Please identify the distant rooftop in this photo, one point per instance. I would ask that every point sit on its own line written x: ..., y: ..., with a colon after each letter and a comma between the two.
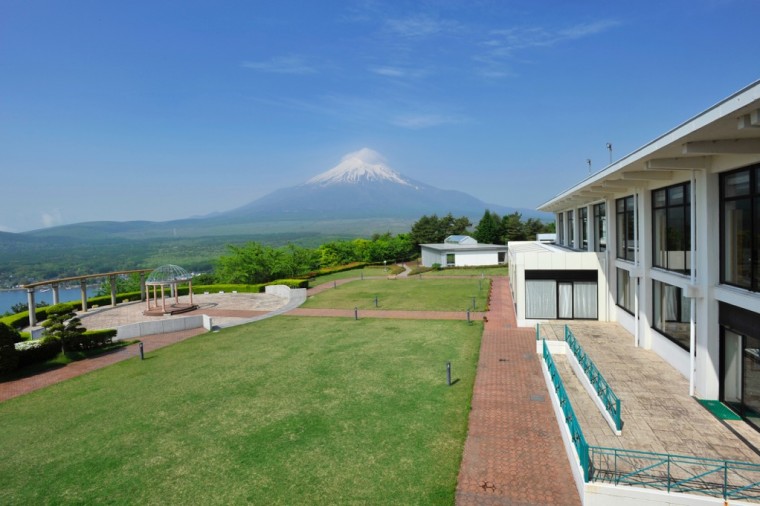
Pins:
x: 459, y: 239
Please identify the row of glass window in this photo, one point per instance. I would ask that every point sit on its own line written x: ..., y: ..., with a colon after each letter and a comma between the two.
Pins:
x: 671, y: 228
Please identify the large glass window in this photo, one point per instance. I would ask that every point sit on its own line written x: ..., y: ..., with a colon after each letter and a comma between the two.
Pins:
x: 626, y: 238
x: 561, y: 226
x: 740, y: 228
x: 570, y: 229
x: 563, y: 294
x: 583, y: 224
x: 600, y: 227
x: 671, y: 227
x: 672, y: 312
x: 625, y: 290
x: 740, y: 361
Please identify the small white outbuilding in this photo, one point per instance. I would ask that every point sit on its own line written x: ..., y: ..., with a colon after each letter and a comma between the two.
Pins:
x: 462, y: 251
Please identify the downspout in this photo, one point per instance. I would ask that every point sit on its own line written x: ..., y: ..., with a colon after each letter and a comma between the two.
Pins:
x: 693, y: 280
x: 637, y: 329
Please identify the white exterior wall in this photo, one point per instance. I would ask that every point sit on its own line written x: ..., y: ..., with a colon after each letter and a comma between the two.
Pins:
x: 430, y: 257
x: 475, y: 258
x: 519, y: 262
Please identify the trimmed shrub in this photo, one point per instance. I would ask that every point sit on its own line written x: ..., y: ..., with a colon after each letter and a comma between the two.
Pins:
x: 8, y: 353
x: 332, y: 270
x: 90, y: 340
x: 40, y: 350
x: 292, y: 283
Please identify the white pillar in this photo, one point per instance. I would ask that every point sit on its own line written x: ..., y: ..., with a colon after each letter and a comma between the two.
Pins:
x: 112, y: 280
x: 83, y: 289
x: 56, y: 293
x: 32, y: 307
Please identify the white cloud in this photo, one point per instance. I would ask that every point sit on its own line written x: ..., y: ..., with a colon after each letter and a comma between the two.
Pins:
x: 421, y: 26
x: 52, y: 218
x: 505, y: 44
x: 420, y: 121
x: 281, y: 65
x: 398, y: 72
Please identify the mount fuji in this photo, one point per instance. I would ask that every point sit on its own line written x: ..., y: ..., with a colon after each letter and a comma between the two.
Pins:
x: 361, y: 186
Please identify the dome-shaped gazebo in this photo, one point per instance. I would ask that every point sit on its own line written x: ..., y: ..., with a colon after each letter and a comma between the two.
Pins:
x: 168, y: 276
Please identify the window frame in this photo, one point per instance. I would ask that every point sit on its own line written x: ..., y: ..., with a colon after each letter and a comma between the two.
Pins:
x: 600, y: 228
x: 625, y: 223
x: 631, y: 292
x: 583, y: 224
x: 680, y: 310
x: 667, y: 209
x: 752, y: 199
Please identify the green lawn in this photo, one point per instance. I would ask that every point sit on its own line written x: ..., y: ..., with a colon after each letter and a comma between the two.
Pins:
x: 412, y: 294
x: 353, y: 273
x: 470, y: 271
x: 283, y: 411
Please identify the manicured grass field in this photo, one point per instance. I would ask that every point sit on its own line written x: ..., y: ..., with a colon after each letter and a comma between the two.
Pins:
x: 413, y: 294
x: 353, y: 273
x: 470, y: 271
x: 283, y: 411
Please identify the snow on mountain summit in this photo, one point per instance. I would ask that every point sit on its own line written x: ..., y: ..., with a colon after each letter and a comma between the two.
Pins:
x: 363, y: 165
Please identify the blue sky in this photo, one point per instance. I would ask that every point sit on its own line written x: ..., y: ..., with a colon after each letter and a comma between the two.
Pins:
x: 162, y: 110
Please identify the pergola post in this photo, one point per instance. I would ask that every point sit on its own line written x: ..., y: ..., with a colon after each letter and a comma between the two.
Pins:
x: 142, y: 287
x: 190, y: 290
x: 56, y: 294
x: 83, y: 289
x: 32, y: 307
x: 163, y: 299
x: 112, y: 280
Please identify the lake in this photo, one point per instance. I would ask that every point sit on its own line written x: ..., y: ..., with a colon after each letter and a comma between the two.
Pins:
x: 10, y: 297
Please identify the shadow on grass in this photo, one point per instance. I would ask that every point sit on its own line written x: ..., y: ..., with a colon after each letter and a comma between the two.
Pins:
x: 62, y: 360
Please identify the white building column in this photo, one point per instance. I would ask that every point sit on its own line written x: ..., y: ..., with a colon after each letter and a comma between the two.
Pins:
x: 32, y: 307
x: 56, y: 293
x: 707, y: 360
x: 112, y: 282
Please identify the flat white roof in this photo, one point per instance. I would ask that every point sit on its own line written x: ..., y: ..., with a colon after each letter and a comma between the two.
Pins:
x: 728, y: 128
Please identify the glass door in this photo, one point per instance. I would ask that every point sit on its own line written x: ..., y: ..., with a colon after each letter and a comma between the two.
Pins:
x: 732, y: 369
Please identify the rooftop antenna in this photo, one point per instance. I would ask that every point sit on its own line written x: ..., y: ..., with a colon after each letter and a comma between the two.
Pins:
x: 609, y: 148
x: 588, y: 161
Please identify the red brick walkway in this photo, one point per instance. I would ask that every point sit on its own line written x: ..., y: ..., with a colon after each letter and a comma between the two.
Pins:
x: 10, y: 389
x: 514, y: 452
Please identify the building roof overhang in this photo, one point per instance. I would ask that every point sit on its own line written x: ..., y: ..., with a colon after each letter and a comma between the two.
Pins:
x: 730, y: 128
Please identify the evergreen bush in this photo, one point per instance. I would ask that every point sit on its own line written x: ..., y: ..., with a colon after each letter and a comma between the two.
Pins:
x: 8, y: 354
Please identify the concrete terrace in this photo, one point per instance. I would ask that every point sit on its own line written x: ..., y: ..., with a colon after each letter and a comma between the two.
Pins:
x: 658, y: 413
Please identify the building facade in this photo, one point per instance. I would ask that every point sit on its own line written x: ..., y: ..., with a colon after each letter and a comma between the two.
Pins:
x: 462, y: 251
x: 674, y: 229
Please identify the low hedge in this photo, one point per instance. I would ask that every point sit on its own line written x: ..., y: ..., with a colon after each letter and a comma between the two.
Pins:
x: 33, y: 352
x: 90, y: 340
x: 332, y: 270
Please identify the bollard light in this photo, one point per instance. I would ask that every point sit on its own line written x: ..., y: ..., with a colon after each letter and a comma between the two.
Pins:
x: 335, y: 284
x: 375, y: 300
x: 448, y: 373
x: 473, y: 303
x: 468, y: 316
x: 142, y: 352
x: 356, y: 313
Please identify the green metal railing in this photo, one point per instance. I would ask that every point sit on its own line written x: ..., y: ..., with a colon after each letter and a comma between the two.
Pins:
x: 675, y: 473
x: 576, y: 434
x: 604, y: 391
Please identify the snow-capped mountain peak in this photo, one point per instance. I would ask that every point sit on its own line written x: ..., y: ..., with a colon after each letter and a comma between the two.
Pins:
x: 363, y: 165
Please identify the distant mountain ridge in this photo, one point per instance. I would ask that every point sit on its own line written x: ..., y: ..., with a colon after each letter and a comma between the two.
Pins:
x: 361, y: 195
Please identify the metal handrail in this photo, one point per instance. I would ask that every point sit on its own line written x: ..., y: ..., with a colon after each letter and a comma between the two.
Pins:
x: 606, y: 394
x: 675, y: 473
x: 576, y: 434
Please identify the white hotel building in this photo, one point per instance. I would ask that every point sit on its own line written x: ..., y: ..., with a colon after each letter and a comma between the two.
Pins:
x: 666, y: 242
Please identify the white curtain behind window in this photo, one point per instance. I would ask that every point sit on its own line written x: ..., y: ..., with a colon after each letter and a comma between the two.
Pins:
x: 584, y: 295
x: 670, y: 304
x: 565, y: 300
x: 540, y: 299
